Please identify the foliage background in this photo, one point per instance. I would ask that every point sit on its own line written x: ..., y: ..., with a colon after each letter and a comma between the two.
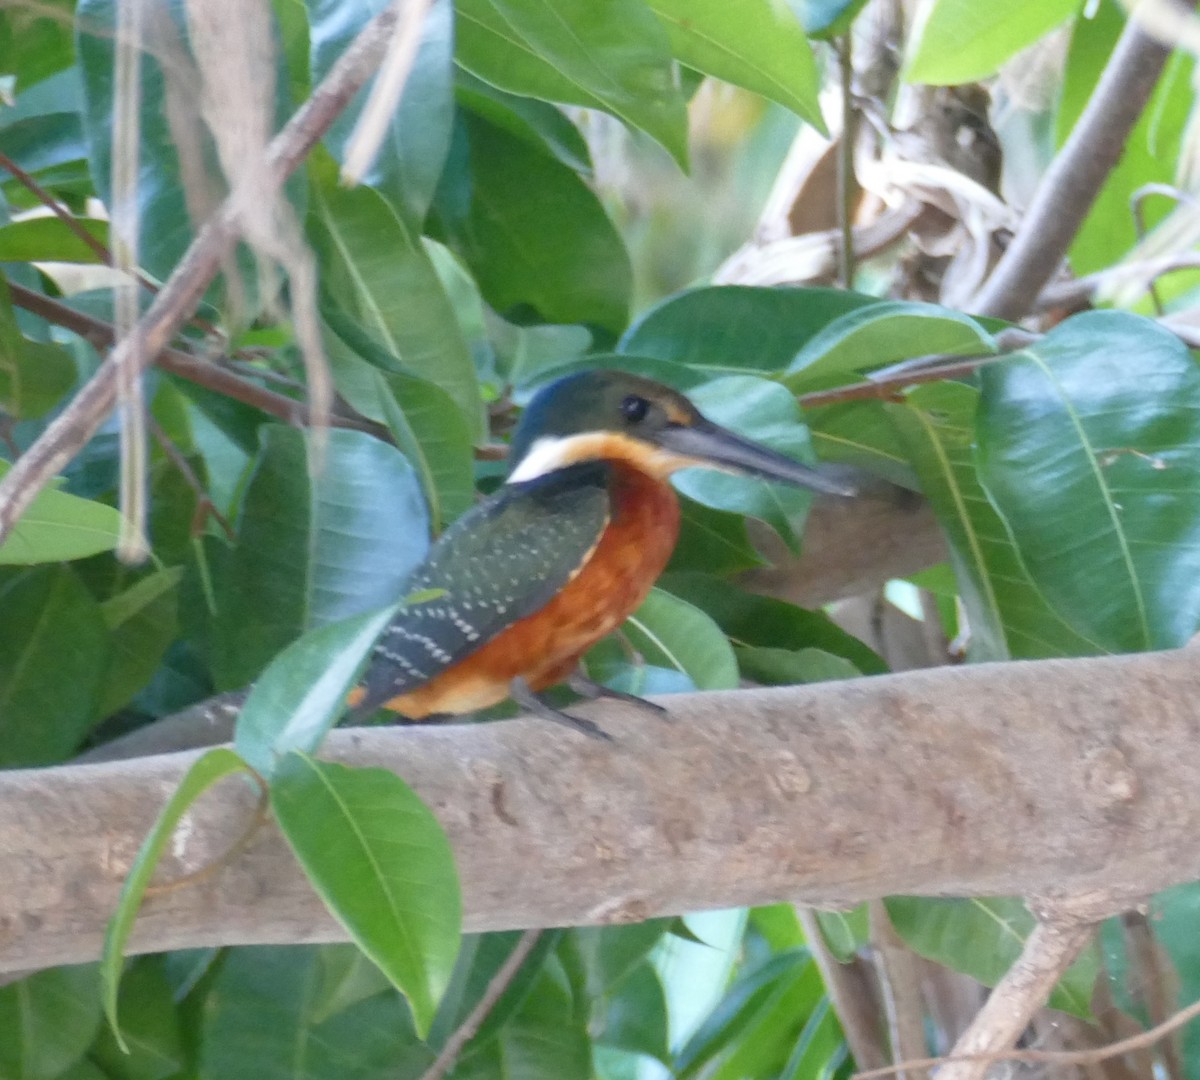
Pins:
x: 577, y: 184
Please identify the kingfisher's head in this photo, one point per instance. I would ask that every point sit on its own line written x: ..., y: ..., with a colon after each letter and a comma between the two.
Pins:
x: 612, y: 415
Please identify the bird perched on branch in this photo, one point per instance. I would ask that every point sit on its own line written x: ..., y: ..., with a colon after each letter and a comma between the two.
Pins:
x: 528, y: 580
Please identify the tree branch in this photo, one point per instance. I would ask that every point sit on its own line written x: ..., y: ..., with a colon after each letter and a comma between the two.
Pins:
x: 72, y: 428
x: 185, y: 366
x: 1073, y: 181
x: 1054, y: 778
x: 1049, y: 951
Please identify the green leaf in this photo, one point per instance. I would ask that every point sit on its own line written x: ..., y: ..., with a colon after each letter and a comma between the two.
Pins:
x: 737, y: 329
x: 882, y: 334
x: 315, y: 549
x: 752, y: 620
x: 753, y: 1030
x: 534, y: 235
x: 607, y: 955
x: 787, y: 667
x: 49, y: 1019
x: 821, y: 1047
x: 767, y: 413
x: 417, y: 137
x: 1149, y: 155
x: 381, y: 275
x: 712, y: 541
x: 845, y: 932
x: 151, y: 1026
x: 383, y: 866
x: 1089, y: 446
x: 35, y: 44
x: 633, y: 1016
x: 1007, y: 612
x: 546, y: 1039
x: 982, y: 938
x: 671, y: 633
x: 424, y: 420
x: 756, y: 44
x: 613, y: 56
x: 541, y: 125
x: 48, y: 239
x: 34, y: 376
x: 142, y: 622
x: 303, y: 691
x: 213, y: 765
x: 963, y: 41
x: 264, y: 1019
x: 53, y: 649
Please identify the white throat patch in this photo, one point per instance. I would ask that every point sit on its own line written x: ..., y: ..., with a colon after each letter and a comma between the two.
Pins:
x: 552, y: 452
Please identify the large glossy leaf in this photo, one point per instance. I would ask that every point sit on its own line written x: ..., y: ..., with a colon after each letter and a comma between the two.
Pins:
x: 35, y: 44
x: 982, y: 938
x: 761, y: 621
x: 48, y: 1020
x: 786, y: 667
x: 757, y: 44
x: 612, y: 56
x: 736, y: 329
x: 382, y: 864
x: 303, y: 691
x: 963, y: 41
x: 1089, y: 445
x: 205, y: 771
x: 882, y: 334
x: 424, y: 420
x: 380, y: 274
x: 53, y: 649
x: 1007, y: 612
x: 417, y: 136
x: 262, y: 1022
x: 713, y: 541
x: 533, y: 233
x: 312, y: 549
x: 1149, y: 155
x: 859, y: 433
x: 34, y: 375
x: 671, y: 633
x: 142, y: 621
x: 633, y: 1017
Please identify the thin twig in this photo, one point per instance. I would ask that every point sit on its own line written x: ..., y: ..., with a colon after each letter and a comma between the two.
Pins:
x: 855, y: 1009
x: 1090, y: 1056
x: 900, y: 989
x: 213, y: 377
x: 500, y: 982
x: 205, y: 507
x: 1073, y: 181
x: 885, y: 389
x: 1048, y: 952
x: 1149, y: 982
x: 78, y: 422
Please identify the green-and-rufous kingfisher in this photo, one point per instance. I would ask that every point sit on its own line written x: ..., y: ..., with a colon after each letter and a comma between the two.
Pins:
x: 530, y: 578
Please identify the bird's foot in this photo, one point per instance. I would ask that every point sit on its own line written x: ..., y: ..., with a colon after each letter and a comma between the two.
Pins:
x: 527, y: 699
x: 589, y: 688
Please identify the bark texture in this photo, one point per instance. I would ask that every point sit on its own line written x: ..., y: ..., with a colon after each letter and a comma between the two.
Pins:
x: 1056, y: 779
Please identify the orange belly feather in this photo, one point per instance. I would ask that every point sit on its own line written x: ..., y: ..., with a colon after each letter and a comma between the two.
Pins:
x: 545, y: 647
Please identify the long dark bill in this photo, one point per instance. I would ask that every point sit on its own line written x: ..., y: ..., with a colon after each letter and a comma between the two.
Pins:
x: 722, y: 449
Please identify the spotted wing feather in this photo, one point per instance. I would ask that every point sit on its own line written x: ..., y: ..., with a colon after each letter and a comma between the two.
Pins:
x: 500, y: 562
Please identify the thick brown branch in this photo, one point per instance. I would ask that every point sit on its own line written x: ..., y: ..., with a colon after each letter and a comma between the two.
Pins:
x: 1071, y: 184
x: 1068, y: 777
x: 72, y: 428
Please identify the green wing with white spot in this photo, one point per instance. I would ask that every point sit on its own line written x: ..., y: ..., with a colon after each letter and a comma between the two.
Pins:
x: 501, y: 561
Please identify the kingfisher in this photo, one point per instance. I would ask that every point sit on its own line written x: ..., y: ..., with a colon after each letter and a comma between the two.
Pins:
x: 525, y: 582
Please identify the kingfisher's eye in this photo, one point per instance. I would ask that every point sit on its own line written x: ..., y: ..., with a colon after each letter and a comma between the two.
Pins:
x: 635, y: 408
